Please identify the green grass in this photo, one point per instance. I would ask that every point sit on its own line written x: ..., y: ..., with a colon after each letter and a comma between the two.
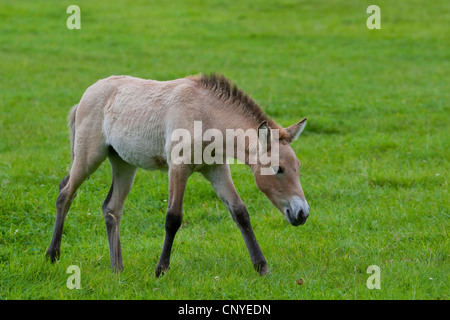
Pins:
x: 375, y: 153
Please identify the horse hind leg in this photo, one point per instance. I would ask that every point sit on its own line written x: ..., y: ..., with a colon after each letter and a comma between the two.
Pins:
x: 63, y: 182
x: 123, y: 178
x: 84, y: 164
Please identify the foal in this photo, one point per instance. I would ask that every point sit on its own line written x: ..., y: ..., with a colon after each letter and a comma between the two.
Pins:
x: 135, y: 123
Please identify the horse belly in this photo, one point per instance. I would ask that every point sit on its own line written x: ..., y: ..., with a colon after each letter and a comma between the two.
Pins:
x: 146, y: 157
x: 138, y: 144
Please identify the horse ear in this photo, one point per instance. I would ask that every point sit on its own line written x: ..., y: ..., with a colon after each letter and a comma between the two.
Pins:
x: 295, y: 130
x: 264, y: 134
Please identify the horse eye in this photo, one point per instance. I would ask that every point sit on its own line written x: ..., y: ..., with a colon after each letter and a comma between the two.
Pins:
x: 280, y: 170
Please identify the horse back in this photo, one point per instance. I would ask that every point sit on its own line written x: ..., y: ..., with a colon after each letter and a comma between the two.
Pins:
x: 137, y: 116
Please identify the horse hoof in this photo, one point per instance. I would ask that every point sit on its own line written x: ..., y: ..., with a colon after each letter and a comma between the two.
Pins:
x: 52, y: 255
x: 262, y: 268
x: 265, y: 272
x: 160, y: 270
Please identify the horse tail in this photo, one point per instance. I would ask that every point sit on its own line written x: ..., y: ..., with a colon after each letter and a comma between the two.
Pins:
x: 71, y: 119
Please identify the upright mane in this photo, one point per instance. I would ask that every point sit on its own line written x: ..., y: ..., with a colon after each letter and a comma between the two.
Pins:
x: 227, y: 91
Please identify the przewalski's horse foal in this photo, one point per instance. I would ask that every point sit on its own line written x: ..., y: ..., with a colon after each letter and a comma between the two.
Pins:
x: 132, y: 122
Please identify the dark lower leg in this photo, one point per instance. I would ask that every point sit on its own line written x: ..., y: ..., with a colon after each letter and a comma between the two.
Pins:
x: 178, y: 176
x: 62, y: 206
x: 241, y: 217
x: 173, y: 223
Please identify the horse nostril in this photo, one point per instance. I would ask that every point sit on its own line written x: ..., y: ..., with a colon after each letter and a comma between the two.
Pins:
x: 306, y: 214
x: 303, y: 214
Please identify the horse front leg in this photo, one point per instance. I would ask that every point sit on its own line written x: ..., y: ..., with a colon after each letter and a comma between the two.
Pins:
x: 240, y: 215
x: 178, y: 176
x: 222, y: 183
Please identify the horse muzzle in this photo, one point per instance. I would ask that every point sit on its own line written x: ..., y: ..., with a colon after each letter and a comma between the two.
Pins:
x: 296, y: 211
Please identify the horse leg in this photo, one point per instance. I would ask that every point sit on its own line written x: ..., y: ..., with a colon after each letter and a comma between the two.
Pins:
x: 63, y: 182
x: 88, y: 153
x: 178, y: 176
x: 123, y: 178
x: 221, y: 181
x: 82, y: 168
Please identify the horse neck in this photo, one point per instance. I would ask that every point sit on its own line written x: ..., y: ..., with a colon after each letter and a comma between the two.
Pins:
x: 235, y: 126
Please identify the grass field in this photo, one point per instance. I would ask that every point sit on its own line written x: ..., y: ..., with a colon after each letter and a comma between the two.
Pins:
x: 375, y: 153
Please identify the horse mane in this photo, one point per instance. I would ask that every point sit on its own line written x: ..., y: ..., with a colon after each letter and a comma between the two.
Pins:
x: 227, y: 91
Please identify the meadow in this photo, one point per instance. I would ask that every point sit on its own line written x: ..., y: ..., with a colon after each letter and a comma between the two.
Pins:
x: 375, y: 153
